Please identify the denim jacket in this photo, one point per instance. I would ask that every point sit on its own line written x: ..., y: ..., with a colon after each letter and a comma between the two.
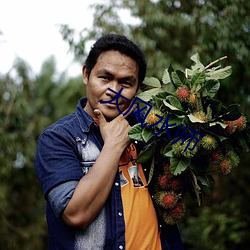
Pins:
x: 65, y: 152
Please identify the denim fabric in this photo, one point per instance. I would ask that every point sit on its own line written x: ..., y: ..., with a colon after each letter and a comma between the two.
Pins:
x: 65, y: 152
x: 60, y: 196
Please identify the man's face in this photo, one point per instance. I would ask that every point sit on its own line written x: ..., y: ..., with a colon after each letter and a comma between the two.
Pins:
x: 115, y: 71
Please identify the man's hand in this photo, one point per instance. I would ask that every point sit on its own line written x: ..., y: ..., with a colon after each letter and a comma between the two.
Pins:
x: 115, y: 132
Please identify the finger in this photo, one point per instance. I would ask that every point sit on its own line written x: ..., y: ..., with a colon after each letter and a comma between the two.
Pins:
x: 130, y: 111
x: 100, y: 116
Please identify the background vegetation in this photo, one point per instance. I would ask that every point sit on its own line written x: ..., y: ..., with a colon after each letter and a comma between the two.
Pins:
x: 168, y: 32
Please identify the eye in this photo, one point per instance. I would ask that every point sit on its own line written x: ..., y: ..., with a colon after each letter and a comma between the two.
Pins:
x: 104, y: 78
x: 126, y: 83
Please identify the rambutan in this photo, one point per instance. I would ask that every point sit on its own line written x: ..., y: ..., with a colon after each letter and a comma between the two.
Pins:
x: 225, y: 166
x: 152, y: 118
x: 168, y: 219
x: 182, y: 150
x: 166, y: 169
x: 175, y: 183
x: 163, y: 181
x: 240, y: 123
x: 215, y: 155
x: 192, y: 99
x: 234, y: 158
x: 178, y: 211
x: 201, y: 116
x: 177, y: 148
x: 183, y: 93
x: 186, y: 151
x: 209, y: 142
x: 231, y: 127
x: 166, y: 199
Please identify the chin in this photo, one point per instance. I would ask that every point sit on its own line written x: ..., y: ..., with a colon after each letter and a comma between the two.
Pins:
x: 110, y: 114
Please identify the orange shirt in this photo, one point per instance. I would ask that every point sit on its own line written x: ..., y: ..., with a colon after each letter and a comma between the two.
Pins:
x: 139, y: 214
x: 141, y: 225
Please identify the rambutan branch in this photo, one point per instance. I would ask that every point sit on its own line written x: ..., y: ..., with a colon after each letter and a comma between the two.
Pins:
x: 214, y: 62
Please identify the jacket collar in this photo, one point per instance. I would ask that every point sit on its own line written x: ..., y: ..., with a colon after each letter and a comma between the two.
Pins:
x: 84, y: 119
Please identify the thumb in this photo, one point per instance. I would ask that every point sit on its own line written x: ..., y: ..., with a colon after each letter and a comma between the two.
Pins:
x: 99, y: 116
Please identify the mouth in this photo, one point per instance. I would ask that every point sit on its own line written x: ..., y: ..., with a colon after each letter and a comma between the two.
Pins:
x: 112, y: 105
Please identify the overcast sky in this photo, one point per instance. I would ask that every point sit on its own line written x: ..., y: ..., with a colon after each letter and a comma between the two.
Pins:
x: 31, y: 31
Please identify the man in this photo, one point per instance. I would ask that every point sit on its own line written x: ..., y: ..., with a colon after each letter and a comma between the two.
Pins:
x: 97, y: 195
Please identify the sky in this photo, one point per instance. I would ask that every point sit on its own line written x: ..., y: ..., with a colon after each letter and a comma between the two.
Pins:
x: 30, y: 31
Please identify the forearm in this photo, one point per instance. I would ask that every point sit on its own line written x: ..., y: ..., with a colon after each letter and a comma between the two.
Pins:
x: 93, y: 189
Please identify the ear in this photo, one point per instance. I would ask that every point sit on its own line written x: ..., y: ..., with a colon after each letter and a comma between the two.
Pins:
x: 84, y: 75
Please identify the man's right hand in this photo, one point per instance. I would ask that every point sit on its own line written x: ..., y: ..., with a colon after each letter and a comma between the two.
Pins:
x: 115, y: 132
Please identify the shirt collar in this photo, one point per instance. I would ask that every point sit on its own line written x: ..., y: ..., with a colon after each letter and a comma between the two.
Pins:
x: 84, y: 119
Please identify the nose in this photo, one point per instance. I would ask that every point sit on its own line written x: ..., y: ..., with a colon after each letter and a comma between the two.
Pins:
x: 115, y: 87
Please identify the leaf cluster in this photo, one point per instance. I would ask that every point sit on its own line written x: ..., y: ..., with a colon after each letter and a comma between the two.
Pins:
x: 186, y: 98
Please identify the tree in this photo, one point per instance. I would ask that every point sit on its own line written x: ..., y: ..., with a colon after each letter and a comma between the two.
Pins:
x: 28, y: 104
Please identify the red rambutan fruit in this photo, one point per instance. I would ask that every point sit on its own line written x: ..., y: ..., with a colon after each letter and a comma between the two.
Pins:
x: 175, y: 183
x: 178, y: 211
x: 215, y: 156
x: 231, y: 127
x: 225, y: 166
x: 167, y: 170
x: 163, y: 181
x: 240, y: 123
x: 169, y: 199
x: 183, y: 93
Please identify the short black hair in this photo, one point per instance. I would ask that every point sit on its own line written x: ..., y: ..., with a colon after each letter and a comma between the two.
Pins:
x: 118, y: 43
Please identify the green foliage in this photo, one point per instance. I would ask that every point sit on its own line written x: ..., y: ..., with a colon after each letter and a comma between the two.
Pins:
x: 28, y: 104
x: 225, y: 230
x: 223, y: 133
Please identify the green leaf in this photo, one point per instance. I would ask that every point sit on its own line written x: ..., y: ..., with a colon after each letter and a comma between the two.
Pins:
x: 197, y: 80
x: 221, y: 138
x: 136, y: 132
x: 166, y: 77
x: 220, y: 73
x: 147, y: 134
x: 147, y: 95
x: 170, y: 106
x: 174, y: 102
x: 178, y: 165
x: 179, y: 78
x: 176, y: 119
x: 152, y: 82
x: 169, y: 153
x: 169, y: 88
x: 211, y: 88
x: 196, y: 187
x: 173, y: 109
x: 151, y: 171
x: 233, y: 112
x: 198, y: 64
x: 223, y: 125
x: 205, y: 180
x: 146, y: 154
x: 194, y: 119
x: 215, y: 105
